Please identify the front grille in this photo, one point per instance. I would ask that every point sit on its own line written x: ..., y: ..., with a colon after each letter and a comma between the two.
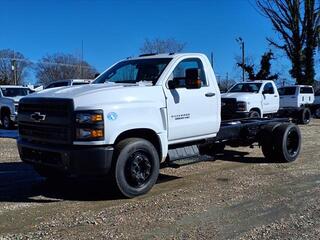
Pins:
x: 55, y: 125
x: 229, y: 105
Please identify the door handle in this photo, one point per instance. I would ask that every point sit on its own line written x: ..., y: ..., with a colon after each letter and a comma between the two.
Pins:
x: 210, y: 94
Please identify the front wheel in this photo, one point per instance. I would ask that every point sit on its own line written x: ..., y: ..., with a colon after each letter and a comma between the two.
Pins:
x: 254, y: 114
x: 136, y: 167
x: 6, y: 122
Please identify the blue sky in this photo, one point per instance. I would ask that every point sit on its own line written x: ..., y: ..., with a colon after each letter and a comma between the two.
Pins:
x: 112, y: 30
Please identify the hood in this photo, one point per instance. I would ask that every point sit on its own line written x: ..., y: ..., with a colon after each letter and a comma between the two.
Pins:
x: 240, y: 96
x: 95, y: 95
x: 15, y: 99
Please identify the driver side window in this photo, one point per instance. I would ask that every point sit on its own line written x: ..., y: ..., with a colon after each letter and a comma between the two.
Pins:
x: 268, y: 88
x: 180, y: 71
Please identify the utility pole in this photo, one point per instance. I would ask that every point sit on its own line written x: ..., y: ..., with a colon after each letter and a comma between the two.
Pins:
x: 211, y: 59
x: 14, y: 69
x: 81, y: 61
x: 241, y: 42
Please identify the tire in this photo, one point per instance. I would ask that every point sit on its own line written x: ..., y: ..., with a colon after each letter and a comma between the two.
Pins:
x: 287, y: 142
x: 254, y: 114
x: 6, y: 121
x: 304, y: 116
x: 266, y: 141
x: 136, y: 167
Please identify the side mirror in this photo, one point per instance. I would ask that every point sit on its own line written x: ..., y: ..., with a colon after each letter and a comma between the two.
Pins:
x: 172, y: 84
x: 193, y: 80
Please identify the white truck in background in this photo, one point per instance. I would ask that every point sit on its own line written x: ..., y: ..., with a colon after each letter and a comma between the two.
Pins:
x: 68, y: 82
x: 139, y: 115
x: 9, y: 101
x: 297, y: 102
x: 253, y: 99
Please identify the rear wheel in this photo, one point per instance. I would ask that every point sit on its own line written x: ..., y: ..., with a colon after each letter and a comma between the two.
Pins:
x: 136, y: 166
x: 287, y: 141
x: 304, y: 116
x: 281, y: 142
x: 266, y: 141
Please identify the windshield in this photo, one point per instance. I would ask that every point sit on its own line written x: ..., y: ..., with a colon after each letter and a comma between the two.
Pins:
x: 285, y: 91
x: 14, y: 92
x: 246, y: 87
x: 79, y: 83
x: 132, y: 71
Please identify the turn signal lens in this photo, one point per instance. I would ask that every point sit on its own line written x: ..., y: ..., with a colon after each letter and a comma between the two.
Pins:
x: 96, y: 118
x: 89, y: 134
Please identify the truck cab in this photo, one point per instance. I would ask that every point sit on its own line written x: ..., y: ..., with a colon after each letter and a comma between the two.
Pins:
x: 251, y: 99
x: 296, y: 96
x: 9, y: 101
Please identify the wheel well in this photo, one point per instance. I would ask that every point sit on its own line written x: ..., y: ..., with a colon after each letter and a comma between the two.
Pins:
x: 4, y: 110
x: 146, y: 134
x: 257, y: 110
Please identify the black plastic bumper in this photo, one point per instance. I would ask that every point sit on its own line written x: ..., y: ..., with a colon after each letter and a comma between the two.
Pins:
x: 74, y: 160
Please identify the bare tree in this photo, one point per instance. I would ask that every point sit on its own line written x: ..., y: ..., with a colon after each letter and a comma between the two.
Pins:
x: 295, y: 23
x: 60, y: 66
x: 157, y: 45
x: 265, y: 68
x: 13, y: 67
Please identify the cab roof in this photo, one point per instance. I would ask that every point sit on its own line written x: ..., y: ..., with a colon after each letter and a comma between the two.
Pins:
x: 12, y: 86
x: 165, y: 55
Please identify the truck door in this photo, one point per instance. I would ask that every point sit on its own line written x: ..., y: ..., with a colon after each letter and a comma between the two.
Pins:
x: 191, y: 112
x: 270, y: 98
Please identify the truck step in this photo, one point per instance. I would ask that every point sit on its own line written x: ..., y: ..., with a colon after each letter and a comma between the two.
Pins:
x: 184, y: 162
x: 184, y: 156
x: 183, y: 152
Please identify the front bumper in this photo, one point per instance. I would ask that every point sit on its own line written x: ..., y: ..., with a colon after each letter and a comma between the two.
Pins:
x: 73, y: 160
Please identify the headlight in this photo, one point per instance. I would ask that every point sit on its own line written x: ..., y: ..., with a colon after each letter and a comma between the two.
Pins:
x: 90, y: 117
x: 89, y: 125
x: 241, y: 106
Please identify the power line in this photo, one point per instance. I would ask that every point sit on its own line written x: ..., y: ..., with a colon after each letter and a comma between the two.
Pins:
x: 43, y: 62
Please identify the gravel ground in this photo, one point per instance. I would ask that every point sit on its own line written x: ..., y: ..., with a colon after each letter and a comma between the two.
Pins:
x: 238, y: 196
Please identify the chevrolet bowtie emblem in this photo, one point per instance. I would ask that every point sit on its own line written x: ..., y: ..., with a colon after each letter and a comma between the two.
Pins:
x: 37, y: 117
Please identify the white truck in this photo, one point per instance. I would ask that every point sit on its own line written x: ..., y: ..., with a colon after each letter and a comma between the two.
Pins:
x: 139, y: 115
x: 253, y: 99
x: 9, y: 101
x: 68, y: 82
x: 297, y: 102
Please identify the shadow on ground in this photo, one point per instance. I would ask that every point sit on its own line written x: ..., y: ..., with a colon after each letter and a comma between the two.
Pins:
x: 242, y: 157
x: 8, y: 133
x: 20, y: 183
